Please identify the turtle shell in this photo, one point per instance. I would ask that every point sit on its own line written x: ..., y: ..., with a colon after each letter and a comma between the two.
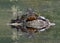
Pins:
x: 33, y: 23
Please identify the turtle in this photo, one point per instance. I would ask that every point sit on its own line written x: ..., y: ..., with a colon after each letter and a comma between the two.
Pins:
x: 30, y: 22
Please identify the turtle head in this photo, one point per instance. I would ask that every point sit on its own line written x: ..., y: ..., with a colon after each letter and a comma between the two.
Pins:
x: 52, y: 24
